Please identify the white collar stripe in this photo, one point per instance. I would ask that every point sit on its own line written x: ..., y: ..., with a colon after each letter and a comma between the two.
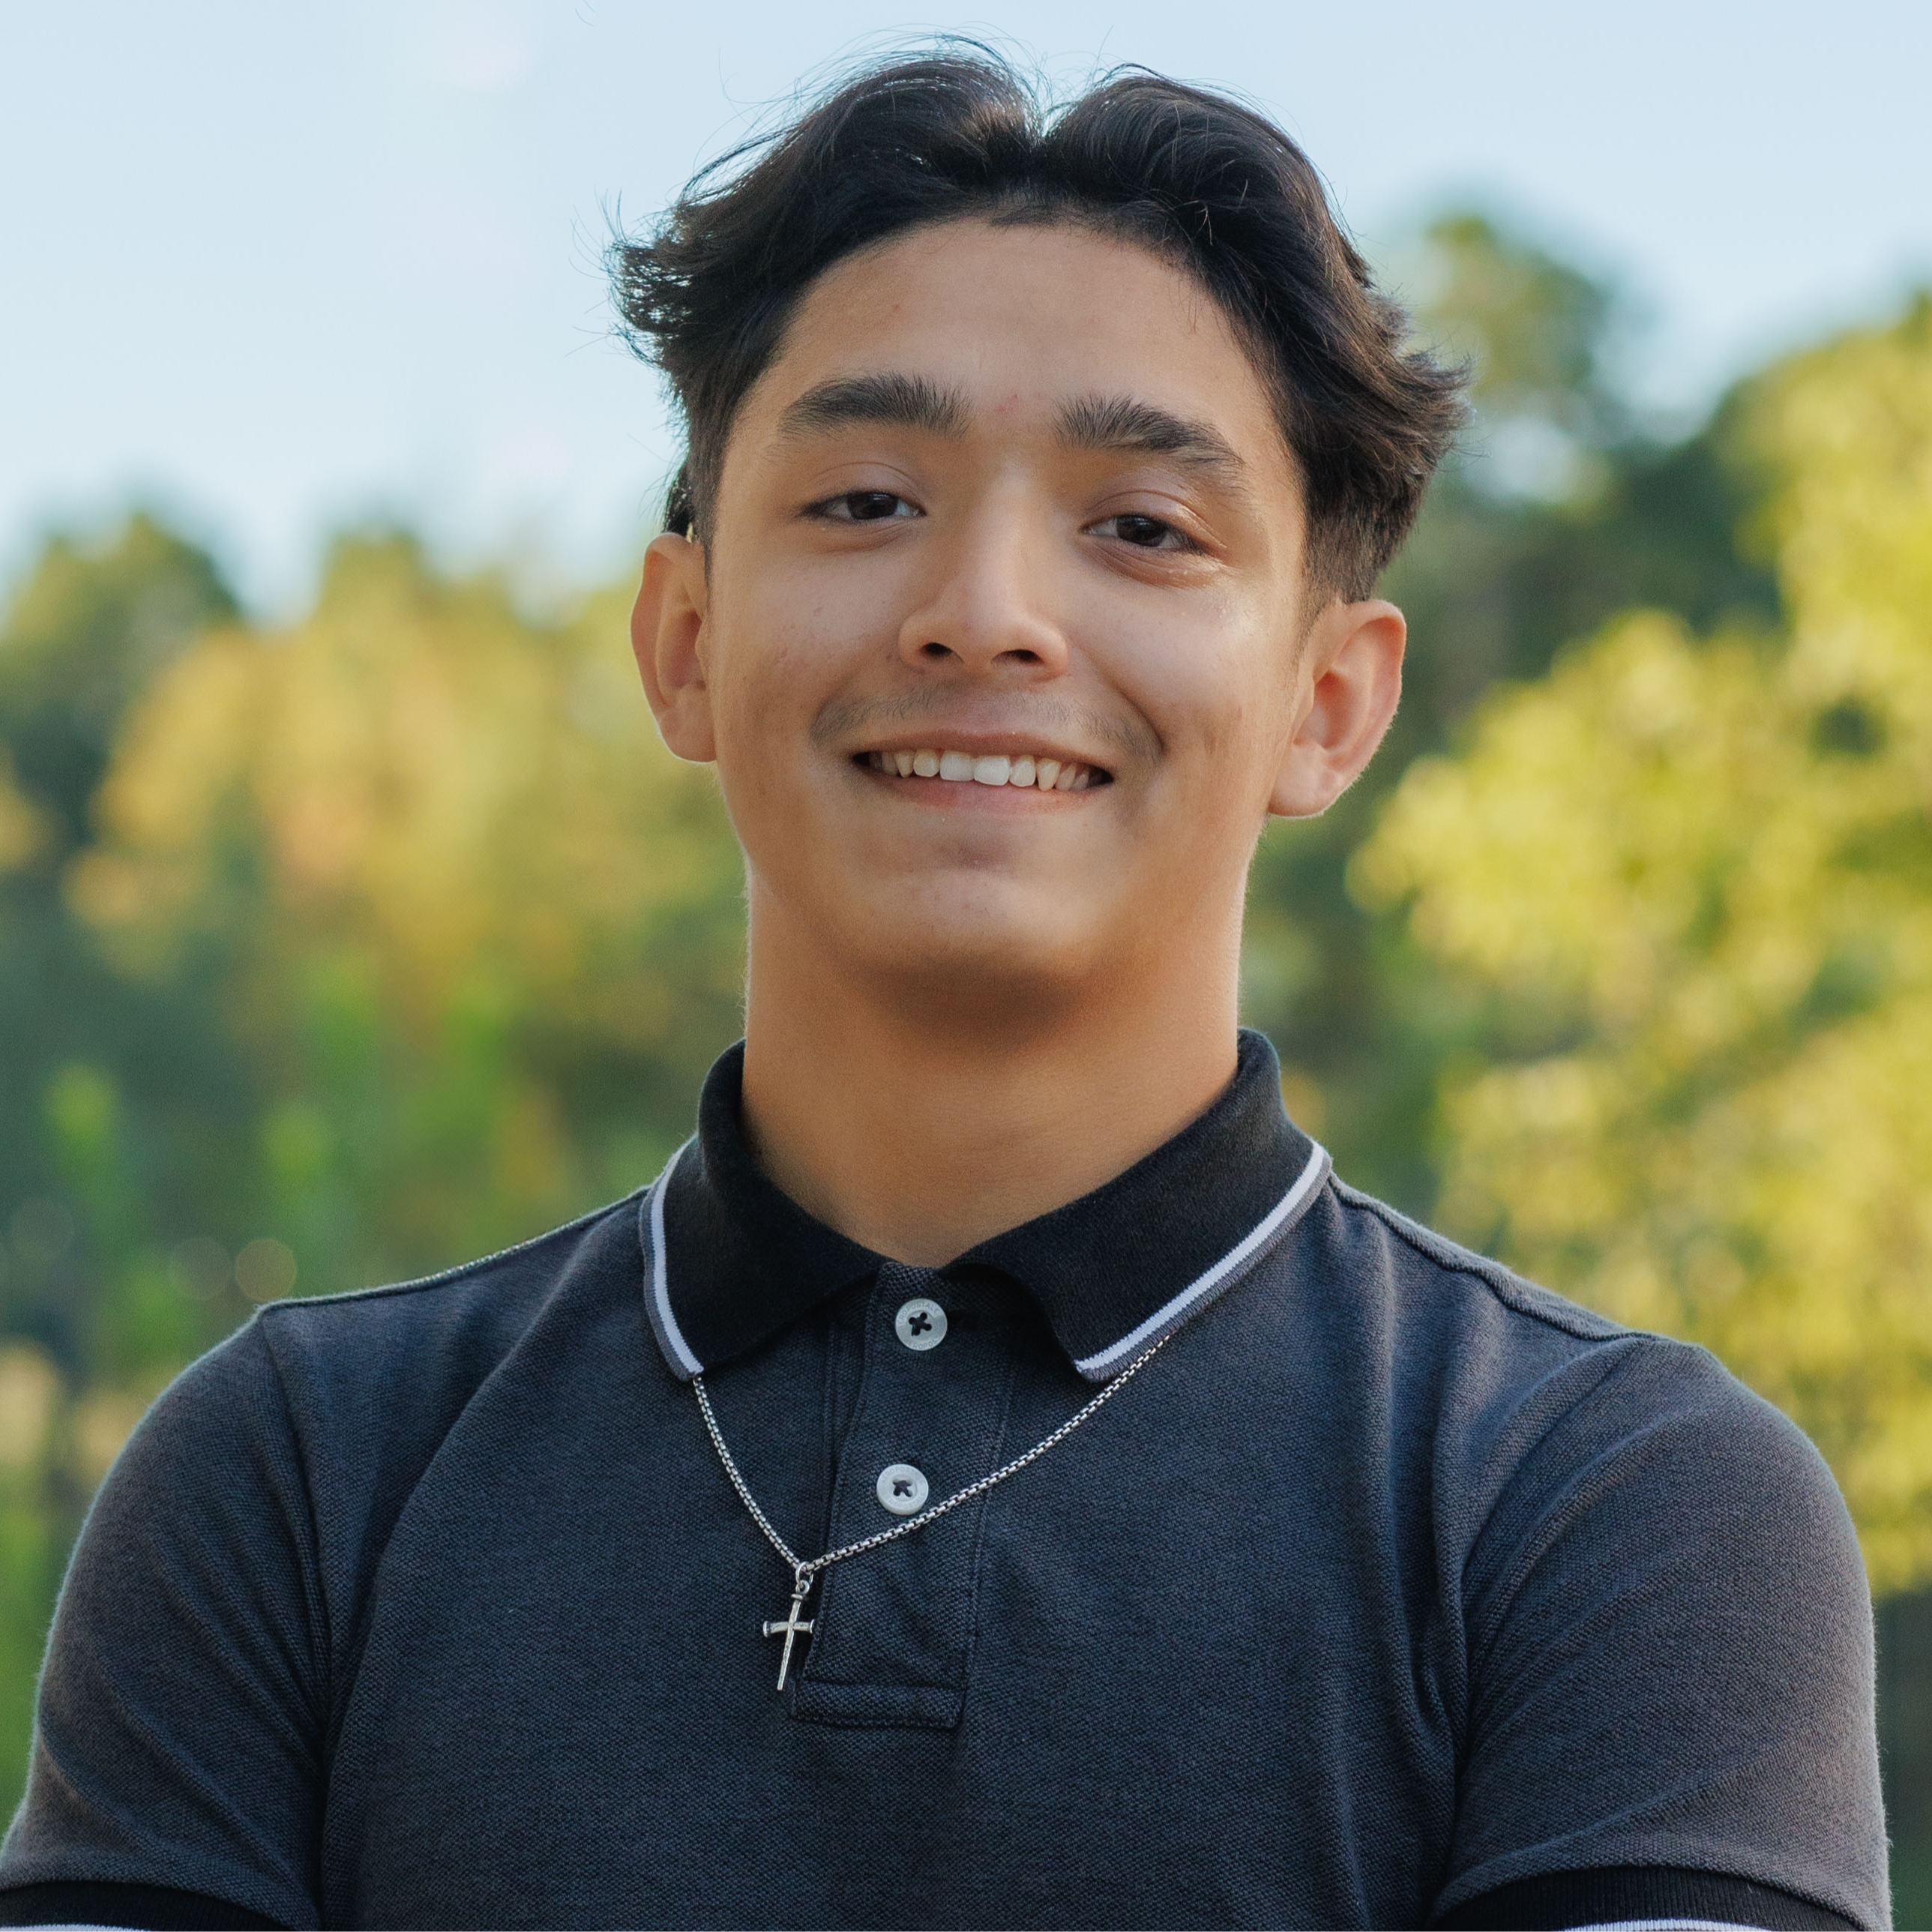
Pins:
x: 667, y: 1326
x: 1285, y: 1211
x: 1667, y: 1925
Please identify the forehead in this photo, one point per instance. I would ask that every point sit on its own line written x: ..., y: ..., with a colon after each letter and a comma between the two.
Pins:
x: 1017, y: 320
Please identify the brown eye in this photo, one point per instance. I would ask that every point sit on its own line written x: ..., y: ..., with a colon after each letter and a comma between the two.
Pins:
x: 865, y: 506
x: 1143, y: 532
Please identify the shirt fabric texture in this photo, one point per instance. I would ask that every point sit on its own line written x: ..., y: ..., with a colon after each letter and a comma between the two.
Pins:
x: 1394, y: 1591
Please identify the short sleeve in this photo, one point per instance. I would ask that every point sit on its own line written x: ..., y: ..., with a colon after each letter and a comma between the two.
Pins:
x: 1670, y: 1650
x: 178, y: 1740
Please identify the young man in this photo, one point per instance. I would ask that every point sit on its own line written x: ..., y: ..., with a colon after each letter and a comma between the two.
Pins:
x: 997, y: 1475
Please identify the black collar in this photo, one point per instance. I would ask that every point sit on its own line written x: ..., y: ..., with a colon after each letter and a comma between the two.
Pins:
x: 733, y: 1260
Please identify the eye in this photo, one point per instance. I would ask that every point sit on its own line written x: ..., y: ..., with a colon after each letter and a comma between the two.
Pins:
x: 1143, y: 532
x: 863, y: 506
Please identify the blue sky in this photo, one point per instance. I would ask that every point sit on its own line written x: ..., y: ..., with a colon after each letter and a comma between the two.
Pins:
x: 279, y: 266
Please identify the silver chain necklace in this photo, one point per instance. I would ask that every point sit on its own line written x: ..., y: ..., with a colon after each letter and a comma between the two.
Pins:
x: 805, y: 1571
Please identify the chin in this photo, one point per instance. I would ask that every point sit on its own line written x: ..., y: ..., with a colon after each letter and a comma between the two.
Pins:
x: 981, y: 952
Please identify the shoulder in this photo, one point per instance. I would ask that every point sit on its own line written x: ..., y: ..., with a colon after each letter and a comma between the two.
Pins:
x: 1530, y: 1401
x: 374, y: 1380
x: 441, y: 1335
x: 327, y: 1411
x: 1418, y: 1257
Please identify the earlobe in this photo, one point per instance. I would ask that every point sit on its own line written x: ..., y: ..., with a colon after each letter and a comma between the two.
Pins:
x: 667, y: 640
x: 1347, y: 693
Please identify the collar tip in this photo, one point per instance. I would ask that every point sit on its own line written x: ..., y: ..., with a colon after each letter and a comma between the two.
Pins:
x: 677, y: 1357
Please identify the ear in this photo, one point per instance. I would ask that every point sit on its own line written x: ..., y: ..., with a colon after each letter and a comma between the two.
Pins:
x: 1346, y: 690
x: 667, y: 640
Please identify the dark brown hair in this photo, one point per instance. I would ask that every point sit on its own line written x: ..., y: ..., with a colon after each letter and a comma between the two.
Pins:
x: 1209, y: 183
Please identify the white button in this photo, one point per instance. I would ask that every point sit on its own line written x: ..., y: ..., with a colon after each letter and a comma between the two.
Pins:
x: 902, y: 1489
x: 920, y: 1323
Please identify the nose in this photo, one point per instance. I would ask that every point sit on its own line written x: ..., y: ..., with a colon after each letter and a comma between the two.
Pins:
x: 987, y: 611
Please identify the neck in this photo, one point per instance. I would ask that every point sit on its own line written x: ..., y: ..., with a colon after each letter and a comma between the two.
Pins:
x: 918, y: 1131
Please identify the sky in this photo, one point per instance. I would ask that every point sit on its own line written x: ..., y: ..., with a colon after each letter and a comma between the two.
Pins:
x: 278, y: 268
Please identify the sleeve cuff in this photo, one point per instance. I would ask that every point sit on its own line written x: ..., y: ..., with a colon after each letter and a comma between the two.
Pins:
x: 1618, y: 1896
x: 155, y: 1908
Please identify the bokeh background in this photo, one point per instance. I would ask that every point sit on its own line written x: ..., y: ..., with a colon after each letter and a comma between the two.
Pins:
x: 353, y: 923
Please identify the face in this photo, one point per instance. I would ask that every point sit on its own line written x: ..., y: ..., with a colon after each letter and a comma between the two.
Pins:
x: 1002, y: 645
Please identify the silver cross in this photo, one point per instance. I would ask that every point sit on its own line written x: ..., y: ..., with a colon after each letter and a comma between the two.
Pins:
x: 791, y: 1625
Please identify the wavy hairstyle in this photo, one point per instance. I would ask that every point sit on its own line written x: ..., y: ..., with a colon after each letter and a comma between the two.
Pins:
x: 1206, y: 182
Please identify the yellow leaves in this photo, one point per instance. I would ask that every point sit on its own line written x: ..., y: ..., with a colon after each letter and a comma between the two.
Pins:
x: 1786, y: 1224
x: 1301, y: 1094
x: 30, y: 1388
x: 1848, y: 429
x: 472, y: 929
x: 42, y: 1430
x: 1703, y: 872
x: 1571, y: 856
x: 23, y: 829
x: 412, y: 770
x: 175, y: 770
x: 103, y: 1421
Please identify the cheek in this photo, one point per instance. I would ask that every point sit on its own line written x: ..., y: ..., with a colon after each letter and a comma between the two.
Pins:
x: 1210, y: 688
x: 767, y: 654
x: 790, y: 642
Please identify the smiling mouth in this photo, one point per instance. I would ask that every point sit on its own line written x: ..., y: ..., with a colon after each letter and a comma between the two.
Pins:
x: 1038, y: 772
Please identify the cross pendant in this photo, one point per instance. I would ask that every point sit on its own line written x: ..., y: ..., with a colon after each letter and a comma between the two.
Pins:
x: 791, y: 1625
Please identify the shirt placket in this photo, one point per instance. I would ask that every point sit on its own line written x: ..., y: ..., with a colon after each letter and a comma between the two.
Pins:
x: 893, y: 1628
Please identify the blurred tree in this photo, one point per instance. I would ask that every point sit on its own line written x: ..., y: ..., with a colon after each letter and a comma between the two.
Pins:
x: 92, y: 623
x: 31, y: 1542
x: 89, y: 625
x: 1558, y: 512
x: 478, y: 933
x: 1692, y: 881
x: 86, y: 632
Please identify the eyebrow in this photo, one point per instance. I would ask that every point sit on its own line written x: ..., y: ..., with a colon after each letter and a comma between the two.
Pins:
x: 1109, y: 423
x: 905, y: 402
x: 1097, y: 423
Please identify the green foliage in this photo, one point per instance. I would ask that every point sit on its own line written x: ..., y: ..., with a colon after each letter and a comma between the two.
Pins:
x: 83, y: 637
x: 1537, y: 334
x: 476, y: 933
x: 1691, y: 878
x: 31, y: 1542
x: 1494, y: 581
x: 86, y: 633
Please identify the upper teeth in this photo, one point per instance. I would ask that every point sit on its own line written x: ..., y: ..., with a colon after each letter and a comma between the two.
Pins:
x: 1043, y: 774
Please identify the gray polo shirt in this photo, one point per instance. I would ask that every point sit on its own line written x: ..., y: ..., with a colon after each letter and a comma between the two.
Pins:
x: 1393, y: 1591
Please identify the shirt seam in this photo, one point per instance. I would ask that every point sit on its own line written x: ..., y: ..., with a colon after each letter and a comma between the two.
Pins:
x: 377, y: 1291
x: 1623, y: 1345
x: 357, y: 1635
x: 976, y: 1559
x: 1502, y: 1282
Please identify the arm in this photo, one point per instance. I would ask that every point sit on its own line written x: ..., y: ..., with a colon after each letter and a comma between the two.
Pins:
x: 1670, y: 1710
x: 178, y: 1744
